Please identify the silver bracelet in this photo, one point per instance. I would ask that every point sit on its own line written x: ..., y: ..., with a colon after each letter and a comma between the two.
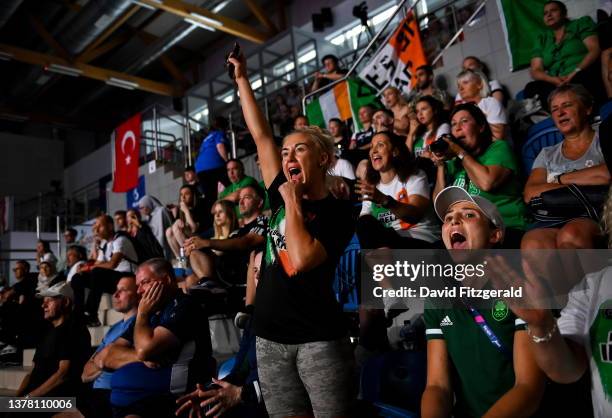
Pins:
x: 546, y: 338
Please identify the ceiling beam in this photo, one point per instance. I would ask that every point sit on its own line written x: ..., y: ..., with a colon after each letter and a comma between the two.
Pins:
x: 261, y: 15
x: 92, y: 54
x: 90, y: 71
x: 167, y: 63
x: 46, y: 36
x: 218, y: 22
x: 111, y: 29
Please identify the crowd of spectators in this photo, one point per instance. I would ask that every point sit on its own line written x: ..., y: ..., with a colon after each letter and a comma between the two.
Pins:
x: 423, y: 172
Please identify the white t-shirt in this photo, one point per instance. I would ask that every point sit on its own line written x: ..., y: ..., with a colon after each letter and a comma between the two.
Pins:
x: 119, y: 245
x: 416, y: 184
x: 493, y: 110
x: 587, y: 320
x: 73, y: 270
x: 343, y: 168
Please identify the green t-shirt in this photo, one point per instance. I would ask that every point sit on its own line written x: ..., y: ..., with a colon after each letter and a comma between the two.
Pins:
x: 563, y: 58
x: 481, y: 373
x: 246, y: 181
x: 508, y: 196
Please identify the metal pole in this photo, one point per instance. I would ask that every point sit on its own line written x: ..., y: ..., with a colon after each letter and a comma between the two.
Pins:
x: 361, y: 57
x: 187, y: 133
x: 57, y: 235
x: 232, y: 136
x: 38, y: 227
x: 459, y: 32
x: 155, y: 143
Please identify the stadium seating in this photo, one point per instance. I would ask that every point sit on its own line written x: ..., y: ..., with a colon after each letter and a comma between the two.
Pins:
x: 542, y: 134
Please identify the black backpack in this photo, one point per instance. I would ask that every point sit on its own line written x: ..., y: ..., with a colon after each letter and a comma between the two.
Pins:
x: 145, y: 244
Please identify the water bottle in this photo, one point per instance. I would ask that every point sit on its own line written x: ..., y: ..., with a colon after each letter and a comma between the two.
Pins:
x: 182, y: 259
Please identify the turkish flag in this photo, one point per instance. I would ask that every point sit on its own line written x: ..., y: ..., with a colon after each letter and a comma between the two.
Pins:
x: 127, y: 153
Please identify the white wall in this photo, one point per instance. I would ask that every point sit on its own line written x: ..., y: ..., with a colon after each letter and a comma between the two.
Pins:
x: 87, y: 170
x: 28, y: 164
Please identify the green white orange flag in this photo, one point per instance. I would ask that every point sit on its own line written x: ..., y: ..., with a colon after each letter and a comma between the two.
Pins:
x: 342, y: 101
x: 397, y: 60
x: 521, y: 21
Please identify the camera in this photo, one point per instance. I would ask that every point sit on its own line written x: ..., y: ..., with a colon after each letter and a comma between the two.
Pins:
x: 440, y: 146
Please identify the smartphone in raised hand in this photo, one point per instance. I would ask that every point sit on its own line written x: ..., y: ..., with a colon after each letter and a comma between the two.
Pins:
x: 234, y: 54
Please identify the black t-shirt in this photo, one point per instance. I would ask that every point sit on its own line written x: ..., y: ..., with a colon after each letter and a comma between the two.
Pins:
x: 69, y: 341
x: 26, y: 287
x: 364, y: 137
x: 296, y: 308
x: 233, y: 265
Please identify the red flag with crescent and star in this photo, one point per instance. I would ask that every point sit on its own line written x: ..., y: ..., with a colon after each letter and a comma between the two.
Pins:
x: 127, y: 152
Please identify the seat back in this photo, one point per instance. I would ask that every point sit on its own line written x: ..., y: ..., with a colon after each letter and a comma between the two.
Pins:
x: 542, y: 134
x: 345, y: 282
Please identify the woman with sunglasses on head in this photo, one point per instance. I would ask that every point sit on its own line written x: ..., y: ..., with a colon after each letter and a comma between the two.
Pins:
x: 303, y: 353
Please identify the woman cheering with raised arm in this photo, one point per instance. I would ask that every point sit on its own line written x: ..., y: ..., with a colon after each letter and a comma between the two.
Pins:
x: 303, y: 353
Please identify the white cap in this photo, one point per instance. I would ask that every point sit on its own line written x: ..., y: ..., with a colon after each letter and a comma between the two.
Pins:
x: 453, y: 194
x: 62, y: 289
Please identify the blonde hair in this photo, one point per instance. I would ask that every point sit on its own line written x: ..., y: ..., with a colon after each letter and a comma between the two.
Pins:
x: 322, y: 139
x: 228, y: 208
x: 606, y: 219
x: 485, y: 90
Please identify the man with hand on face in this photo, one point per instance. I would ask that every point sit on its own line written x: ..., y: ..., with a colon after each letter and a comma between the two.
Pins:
x: 478, y: 364
x: 125, y: 301
x: 164, y: 353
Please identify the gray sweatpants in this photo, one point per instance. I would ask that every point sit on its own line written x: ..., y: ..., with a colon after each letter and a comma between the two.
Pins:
x: 299, y: 378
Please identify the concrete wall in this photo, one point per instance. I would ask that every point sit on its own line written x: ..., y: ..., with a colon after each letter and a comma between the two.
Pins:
x: 28, y: 164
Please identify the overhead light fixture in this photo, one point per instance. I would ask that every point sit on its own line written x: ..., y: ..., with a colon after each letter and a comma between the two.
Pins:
x: 206, y: 19
x: 13, y: 117
x: 143, y: 5
x: 6, y: 56
x: 200, y: 24
x: 124, y: 84
x: 65, y: 70
x: 220, y: 6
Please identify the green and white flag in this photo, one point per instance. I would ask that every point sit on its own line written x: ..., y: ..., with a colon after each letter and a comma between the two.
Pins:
x: 343, y: 102
x: 522, y: 21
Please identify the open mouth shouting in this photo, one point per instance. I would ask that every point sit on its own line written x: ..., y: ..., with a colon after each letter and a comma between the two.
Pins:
x: 458, y: 241
x: 295, y: 174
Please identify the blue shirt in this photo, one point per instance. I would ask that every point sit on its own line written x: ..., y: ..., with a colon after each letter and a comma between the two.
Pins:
x: 208, y: 156
x: 180, y: 368
x: 104, y: 380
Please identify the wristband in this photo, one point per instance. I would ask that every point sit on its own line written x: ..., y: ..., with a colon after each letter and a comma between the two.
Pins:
x: 546, y: 338
x: 558, y: 178
x: 461, y: 155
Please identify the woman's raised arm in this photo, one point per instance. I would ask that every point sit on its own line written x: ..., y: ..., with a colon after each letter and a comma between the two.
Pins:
x: 269, y: 156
